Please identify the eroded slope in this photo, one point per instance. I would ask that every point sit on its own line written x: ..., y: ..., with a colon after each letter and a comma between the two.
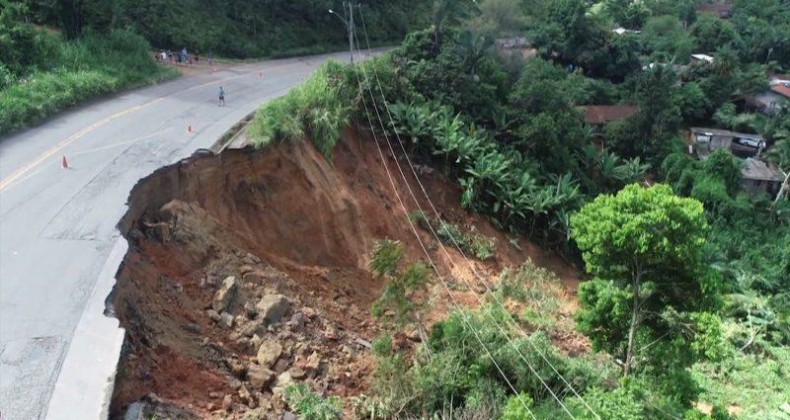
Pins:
x: 282, y: 238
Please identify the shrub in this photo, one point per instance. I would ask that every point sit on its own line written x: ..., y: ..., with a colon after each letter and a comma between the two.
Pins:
x: 319, y: 109
x: 311, y: 406
x: 79, y: 70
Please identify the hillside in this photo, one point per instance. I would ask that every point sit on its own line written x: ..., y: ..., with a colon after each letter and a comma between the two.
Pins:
x: 529, y: 209
x: 287, y: 223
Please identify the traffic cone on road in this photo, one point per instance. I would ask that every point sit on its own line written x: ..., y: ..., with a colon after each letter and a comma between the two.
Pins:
x: 189, y: 128
x: 260, y: 75
x: 64, y: 164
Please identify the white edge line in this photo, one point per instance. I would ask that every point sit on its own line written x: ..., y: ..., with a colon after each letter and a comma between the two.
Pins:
x: 87, y: 377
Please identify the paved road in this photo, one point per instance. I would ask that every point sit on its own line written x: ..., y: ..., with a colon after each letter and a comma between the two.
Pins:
x: 57, y: 226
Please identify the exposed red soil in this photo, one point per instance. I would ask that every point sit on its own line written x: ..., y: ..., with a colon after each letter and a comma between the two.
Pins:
x: 287, y: 221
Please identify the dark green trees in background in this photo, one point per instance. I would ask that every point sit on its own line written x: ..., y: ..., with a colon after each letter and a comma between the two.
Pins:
x: 235, y: 28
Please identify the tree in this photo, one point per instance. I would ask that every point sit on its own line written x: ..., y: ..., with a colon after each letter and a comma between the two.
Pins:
x: 713, y: 33
x: 665, y: 35
x: 447, y: 14
x: 645, y: 246
x: 398, y: 301
x: 501, y: 16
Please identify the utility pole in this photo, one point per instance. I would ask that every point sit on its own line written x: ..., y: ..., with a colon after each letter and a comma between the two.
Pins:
x: 348, y: 12
x: 351, y: 30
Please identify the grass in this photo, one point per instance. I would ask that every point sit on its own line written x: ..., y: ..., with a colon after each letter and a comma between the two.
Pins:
x: 78, y: 71
x: 538, y: 290
x: 319, y: 109
x: 311, y: 406
x: 753, y: 384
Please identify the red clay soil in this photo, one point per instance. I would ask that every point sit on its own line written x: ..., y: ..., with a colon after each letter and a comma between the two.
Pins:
x: 283, y: 220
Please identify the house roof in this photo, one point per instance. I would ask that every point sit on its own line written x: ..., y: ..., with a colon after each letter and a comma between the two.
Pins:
x: 782, y: 89
x: 758, y: 170
x: 727, y: 133
x: 602, y: 114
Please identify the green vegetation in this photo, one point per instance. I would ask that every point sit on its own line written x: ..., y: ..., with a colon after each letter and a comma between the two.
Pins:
x: 318, y: 109
x: 399, y: 302
x: 311, y: 406
x: 41, y: 74
x: 470, y: 242
x: 645, y: 246
x: 688, y: 310
x: 234, y: 28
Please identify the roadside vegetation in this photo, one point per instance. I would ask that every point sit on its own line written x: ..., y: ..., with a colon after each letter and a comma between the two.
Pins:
x: 687, y: 309
x: 42, y: 73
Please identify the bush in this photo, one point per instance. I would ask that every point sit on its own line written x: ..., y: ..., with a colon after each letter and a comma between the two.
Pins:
x: 81, y: 70
x: 319, y: 109
x: 311, y: 406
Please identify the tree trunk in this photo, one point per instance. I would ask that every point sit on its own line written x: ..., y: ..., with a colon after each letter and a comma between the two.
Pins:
x: 629, y: 355
x: 783, y: 190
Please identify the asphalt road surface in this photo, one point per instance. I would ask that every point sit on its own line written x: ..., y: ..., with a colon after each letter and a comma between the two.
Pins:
x: 57, y: 226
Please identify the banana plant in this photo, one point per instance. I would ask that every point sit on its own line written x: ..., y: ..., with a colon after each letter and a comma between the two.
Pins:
x: 631, y: 170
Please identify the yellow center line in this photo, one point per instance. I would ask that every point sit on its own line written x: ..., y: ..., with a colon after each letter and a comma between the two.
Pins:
x: 5, y: 183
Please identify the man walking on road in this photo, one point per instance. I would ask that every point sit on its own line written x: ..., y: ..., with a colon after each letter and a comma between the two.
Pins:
x: 221, y: 96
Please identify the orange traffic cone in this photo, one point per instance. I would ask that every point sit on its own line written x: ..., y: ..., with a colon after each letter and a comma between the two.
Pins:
x: 189, y: 128
x: 64, y: 163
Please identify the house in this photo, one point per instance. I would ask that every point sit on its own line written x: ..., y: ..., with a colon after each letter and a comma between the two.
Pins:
x: 773, y: 100
x: 705, y: 141
x: 768, y: 102
x: 599, y: 115
x: 759, y: 177
x: 756, y: 175
x: 720, y: 9
x: 781, y: 88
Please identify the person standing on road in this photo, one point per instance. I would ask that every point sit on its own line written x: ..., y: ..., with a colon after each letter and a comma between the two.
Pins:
x: 221, y: 96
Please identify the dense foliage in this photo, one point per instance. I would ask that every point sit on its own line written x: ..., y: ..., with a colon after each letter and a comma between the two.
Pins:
x: 40, y: 73
x: 234, y: 28
x: 689, y: 296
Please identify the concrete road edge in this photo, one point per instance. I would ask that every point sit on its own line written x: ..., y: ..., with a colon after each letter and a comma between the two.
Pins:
x: 87, y: 377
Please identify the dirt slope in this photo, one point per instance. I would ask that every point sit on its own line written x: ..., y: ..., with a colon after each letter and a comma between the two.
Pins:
x: 290, y: 227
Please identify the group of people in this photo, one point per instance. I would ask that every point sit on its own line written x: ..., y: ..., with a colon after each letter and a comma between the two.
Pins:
x: 182, y: 57
x: 186, y: 58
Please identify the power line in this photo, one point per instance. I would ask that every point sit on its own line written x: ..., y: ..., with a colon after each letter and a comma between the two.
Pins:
x: 454, y: 303
x: 453, y: 240
x: 499, y: 327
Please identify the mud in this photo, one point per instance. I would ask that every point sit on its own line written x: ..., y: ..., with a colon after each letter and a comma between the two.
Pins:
x: 284, y: 221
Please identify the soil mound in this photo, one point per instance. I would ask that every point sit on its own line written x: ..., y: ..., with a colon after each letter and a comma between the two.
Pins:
x: 248, y: 270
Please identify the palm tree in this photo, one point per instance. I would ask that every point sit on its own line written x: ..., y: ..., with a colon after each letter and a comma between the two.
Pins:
x: 472, y: 48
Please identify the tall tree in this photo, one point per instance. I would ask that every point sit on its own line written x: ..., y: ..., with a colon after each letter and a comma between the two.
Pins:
x: 645, y: 246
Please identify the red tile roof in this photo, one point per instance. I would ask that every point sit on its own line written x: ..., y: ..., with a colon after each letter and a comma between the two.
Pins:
x: 602, y: 114
x: 781, y: 89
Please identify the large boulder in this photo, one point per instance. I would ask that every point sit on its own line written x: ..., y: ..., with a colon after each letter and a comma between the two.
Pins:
x: 269, y: 352
x: 259, y: 377
x: 272, y: 308
x: 225, y: 294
